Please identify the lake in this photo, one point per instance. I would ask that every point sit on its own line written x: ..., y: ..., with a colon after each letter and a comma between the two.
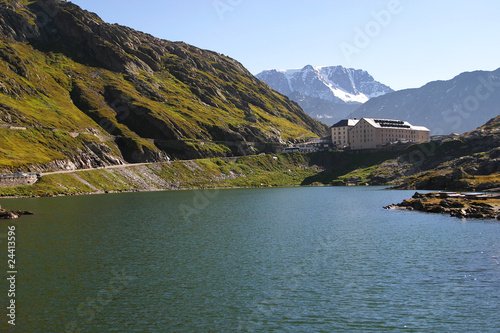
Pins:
x: 308, y: 259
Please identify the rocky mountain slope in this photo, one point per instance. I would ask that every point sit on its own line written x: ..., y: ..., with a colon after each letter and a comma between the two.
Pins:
x: 471, y: 163
x: 326, y: 93
x: 78, y: 92
x: 454, y: 106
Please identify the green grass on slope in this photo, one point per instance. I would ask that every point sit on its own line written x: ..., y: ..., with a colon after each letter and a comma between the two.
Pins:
x: 36, y: 88
x: 39, y: 90
x: 32, y: 146
x: 249, y: 171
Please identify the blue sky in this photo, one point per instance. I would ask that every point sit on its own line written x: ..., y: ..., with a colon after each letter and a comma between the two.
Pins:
x: 402, y: 43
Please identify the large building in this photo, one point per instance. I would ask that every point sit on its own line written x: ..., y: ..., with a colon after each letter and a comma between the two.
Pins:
x: 370, y: 133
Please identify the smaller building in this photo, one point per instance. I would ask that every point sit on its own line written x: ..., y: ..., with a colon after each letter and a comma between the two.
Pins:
x: 288, y: 150
x: 312, y: 145
x: 340, y: 132
x: 442, y: 137
x: 19, y: 179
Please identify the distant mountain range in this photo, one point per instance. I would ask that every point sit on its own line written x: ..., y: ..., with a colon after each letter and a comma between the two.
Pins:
x: 457, y: 105
x: 325, y: 93
x: 333, y: 93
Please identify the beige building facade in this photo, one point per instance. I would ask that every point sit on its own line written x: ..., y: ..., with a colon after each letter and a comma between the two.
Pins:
x: 371, y: 133
x: 340, y: 132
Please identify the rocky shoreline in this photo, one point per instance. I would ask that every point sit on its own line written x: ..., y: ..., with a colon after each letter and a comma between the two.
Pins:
x: 468, y: 205
x: 13, y: 214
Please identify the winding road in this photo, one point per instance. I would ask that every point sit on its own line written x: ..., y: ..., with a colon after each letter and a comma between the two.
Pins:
x: 100, y: 168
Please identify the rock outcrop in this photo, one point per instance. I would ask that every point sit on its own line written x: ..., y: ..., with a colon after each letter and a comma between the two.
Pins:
x: 13, y: 214
x: 455, y: 204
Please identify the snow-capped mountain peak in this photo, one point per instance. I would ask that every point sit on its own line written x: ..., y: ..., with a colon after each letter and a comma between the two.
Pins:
x: 314, y: 87
x: 334, y: 83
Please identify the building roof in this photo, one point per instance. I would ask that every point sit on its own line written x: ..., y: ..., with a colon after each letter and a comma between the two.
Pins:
x: 381, y: 123
x: 420, y: 128
x: 346, y: 122
x: 393, y: 123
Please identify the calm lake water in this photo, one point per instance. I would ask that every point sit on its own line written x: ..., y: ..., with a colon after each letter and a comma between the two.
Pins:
x: 325, y: 259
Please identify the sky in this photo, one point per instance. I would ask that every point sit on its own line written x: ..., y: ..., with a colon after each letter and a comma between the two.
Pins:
x: 401, y: 43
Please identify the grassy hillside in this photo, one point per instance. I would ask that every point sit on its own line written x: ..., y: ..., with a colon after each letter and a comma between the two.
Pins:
x: 247, y: 171
x: 108, y: 90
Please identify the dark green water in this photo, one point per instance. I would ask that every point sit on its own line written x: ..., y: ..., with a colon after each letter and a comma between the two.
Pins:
x: 254, y: 260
